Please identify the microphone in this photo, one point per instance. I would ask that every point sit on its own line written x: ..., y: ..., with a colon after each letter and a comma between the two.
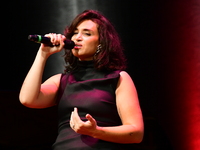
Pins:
x: 45, y: 40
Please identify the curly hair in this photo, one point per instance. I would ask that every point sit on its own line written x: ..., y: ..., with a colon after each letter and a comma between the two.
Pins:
x: 111, y: 56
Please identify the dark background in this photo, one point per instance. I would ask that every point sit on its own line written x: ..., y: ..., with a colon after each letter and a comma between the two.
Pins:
x: 162, y: 45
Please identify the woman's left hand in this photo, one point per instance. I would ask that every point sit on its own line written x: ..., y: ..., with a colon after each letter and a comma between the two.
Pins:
x: 82, y: 127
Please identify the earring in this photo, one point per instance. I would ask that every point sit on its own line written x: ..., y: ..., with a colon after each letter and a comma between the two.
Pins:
x: 98, y: 49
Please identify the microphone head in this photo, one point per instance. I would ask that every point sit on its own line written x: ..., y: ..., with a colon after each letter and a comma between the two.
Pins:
x: 33, y: 38
x: 69, y: 44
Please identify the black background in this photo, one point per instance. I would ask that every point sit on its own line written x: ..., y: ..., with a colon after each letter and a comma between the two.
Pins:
x: 141, y: 26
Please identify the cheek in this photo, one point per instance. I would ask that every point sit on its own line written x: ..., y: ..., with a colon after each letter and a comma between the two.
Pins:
x: 91, y: 50
x: 73, y: 38
x: 95, y: 44
x: 92, y: 46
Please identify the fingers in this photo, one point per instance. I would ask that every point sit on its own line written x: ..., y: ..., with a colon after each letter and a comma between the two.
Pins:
x: 72, y: 124
x: 75, y: 119
x: 90, y: 118
x: 82, y: 127
x: 56, y: 39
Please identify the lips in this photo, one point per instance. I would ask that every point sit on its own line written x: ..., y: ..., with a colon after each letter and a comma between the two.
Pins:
x: 77, y: 46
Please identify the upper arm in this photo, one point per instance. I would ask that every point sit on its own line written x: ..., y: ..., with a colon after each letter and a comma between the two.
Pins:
x: 48, y: 91
x: 128, y: 103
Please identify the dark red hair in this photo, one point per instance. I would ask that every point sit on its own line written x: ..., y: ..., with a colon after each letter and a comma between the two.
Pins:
x: 111, y: 56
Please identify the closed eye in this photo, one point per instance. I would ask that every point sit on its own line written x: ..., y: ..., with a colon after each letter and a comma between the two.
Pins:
x: 88, y: 34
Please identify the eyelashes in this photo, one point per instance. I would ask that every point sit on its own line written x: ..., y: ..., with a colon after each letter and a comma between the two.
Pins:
x: 85, y: 34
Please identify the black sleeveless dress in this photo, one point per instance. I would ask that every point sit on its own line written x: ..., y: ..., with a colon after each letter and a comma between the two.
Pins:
x: 92, y: 92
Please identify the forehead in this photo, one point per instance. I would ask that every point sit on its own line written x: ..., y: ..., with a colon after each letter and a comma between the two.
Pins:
x: 87, y: 24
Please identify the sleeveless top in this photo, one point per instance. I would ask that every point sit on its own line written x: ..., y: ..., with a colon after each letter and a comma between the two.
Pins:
x: 92, y: 92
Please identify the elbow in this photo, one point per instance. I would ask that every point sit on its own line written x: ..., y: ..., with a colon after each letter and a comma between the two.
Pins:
x: 22, y: 100
x: 25, y: 101
x: 137, y: 135
x: 139, y: 138
x: 32, y: 102
x: 134, y: 137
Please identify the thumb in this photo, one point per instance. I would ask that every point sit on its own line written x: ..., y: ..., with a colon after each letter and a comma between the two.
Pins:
x: 90, y: 118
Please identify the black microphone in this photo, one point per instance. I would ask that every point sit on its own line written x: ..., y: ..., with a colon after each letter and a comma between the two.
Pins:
x: 42, y: 39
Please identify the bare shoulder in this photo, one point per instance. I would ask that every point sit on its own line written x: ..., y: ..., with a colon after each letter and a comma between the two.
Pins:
x: 126, y: 89
x: 125, y: 75
x: 125, y: 81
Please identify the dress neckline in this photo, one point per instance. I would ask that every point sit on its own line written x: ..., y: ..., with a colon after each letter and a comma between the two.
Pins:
x: 87, y: 64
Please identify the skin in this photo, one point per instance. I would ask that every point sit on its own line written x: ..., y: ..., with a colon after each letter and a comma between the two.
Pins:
x: 35, y: 94
x: 86, y: 39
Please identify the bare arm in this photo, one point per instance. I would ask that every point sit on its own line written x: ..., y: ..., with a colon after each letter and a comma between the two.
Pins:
x: 131, y: 130
x: 33, y: 93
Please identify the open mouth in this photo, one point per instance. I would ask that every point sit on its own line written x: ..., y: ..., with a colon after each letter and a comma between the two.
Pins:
x: 77, y: 46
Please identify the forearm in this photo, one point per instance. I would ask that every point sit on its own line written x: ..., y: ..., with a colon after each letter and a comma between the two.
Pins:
x: 119, y: 134
x: 30, y: 89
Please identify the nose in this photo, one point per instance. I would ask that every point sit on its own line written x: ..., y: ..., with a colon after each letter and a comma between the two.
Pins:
x: 78, y: 37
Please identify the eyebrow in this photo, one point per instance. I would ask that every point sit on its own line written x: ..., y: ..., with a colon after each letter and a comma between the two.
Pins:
x: 85, y: 30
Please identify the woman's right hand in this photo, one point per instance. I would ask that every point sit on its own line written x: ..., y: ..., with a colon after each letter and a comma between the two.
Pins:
x: 57, y: 40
